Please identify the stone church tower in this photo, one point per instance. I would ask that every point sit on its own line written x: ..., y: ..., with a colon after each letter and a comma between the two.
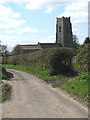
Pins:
x: 64, y: 32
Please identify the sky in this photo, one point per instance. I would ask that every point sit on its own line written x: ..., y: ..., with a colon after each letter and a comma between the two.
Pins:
x: 33, y: 21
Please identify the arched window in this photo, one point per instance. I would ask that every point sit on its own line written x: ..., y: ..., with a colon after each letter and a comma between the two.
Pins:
x: 67, y: 28
x: 59, y: 28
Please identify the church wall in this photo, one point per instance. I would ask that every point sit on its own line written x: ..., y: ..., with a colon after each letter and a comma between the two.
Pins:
x: 49, y: 45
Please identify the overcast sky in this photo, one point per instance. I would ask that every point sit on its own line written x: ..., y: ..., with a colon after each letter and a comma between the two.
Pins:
x: 33, y: 21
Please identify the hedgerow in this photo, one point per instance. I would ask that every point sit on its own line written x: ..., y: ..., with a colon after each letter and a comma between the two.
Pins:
x: 81, y: 62
x: 58, y: 59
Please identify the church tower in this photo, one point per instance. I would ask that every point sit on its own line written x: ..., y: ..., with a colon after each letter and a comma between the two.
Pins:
x: 64, y: 32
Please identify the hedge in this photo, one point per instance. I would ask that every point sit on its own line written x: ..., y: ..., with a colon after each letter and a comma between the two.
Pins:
x: 82, y: 60
x: 56, y: 58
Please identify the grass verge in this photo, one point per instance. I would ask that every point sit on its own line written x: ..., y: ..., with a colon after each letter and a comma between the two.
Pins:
x: 44, y: 74
x: 79, y: 87
x: 5, y: 89
x: 4, y: 74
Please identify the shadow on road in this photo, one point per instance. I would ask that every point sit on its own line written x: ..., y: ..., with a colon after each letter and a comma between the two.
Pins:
x: 10, y: 75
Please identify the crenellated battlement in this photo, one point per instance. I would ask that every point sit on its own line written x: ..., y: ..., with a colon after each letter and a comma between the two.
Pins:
x: 63, y: 19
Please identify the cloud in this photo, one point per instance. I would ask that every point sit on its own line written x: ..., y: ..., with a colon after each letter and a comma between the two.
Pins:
x: 77, y: 11
x: 78, y: 33
x: 52, y: 37
x: 27, y: 30
x: 49, y: 10
x: 48, y: 39
x: 10, y: 24
x: 16, y: 15
x: 14, y: 1
x: 39, y: 4
x: 8, y: 19
x: 49, y: 4
x: 10, y: 41
x: 18, y: 30
x: 6, y: 12
x: 13, y: 40
x: 12, y: 28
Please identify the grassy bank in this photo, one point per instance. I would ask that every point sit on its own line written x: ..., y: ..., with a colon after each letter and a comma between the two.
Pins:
x: 75, y: 85
x: 6, y: 91
x: 6, y: 88
x: 4, y: 74
x: 79, y: 86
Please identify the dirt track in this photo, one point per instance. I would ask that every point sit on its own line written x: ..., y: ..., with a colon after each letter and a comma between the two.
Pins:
x: 33, y: 98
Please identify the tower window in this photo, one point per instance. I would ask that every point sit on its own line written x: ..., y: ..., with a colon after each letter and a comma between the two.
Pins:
x: 59, y: 28
x: 67, y: 28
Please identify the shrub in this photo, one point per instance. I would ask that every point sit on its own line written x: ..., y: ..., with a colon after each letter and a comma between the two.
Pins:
x: 87, y: 40
x: 61, y: 60
x: 81, y: 62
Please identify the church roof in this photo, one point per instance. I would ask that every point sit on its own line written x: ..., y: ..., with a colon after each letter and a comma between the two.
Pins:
x: 48, y: 43
x: 27, y: 47
x: 39, y: 46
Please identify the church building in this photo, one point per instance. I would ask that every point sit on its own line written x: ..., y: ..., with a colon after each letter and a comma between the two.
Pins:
x: 64, y: 37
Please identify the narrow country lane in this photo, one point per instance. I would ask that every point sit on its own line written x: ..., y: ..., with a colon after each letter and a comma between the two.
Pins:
x: 33, y: 98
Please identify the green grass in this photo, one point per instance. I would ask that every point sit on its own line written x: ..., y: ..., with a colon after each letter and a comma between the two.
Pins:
x: 77, y: 85
x: 3, y: 74
x: 6, y: 91
x: 41, y: 73
x: 45, y: 74
x: 5, y: 87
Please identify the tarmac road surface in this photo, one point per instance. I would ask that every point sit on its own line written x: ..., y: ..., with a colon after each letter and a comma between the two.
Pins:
x: 33, y: 98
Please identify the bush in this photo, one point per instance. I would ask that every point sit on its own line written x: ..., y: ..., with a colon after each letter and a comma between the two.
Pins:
x: 61, y: 60
x: 87, y: 40
x: 81, y: 61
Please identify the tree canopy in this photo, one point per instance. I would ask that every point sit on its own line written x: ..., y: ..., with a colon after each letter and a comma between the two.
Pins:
x: 87, y: 40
